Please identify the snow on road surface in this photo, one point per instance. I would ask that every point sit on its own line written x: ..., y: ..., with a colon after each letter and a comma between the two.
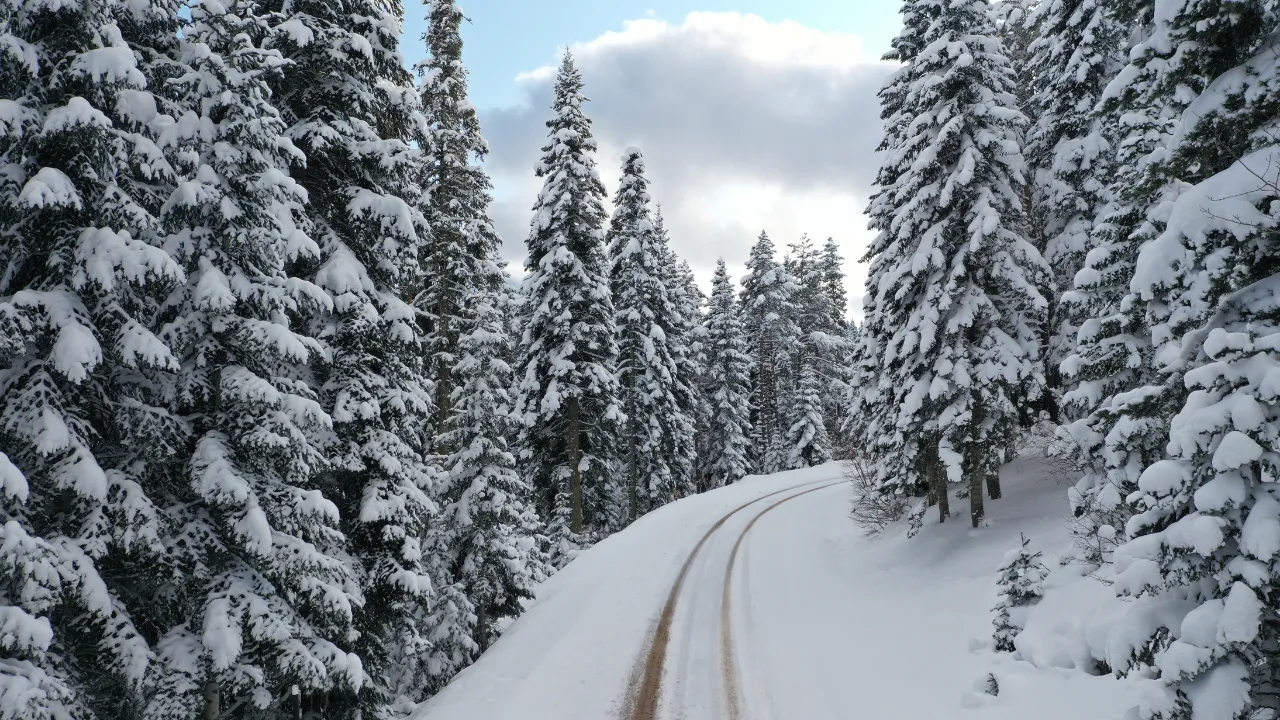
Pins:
x: 762, y: 601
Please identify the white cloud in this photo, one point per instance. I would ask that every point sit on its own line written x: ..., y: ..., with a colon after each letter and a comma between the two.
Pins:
x: 745, y: 124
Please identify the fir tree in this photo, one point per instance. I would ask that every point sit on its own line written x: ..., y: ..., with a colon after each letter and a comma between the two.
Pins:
x: 645, y: 318
x: 772, y: 333
x: 807, y: 442
x: 456, y: 202
x: 1125, y: 391
x: 955, y: 311
x: 567, y: 387
x: 81, y: 277
x: 1068, y: 148
x: 831, y: 279
x: 489, y: 532
x: 485, y: 547
x: 1021, y: 585
x: 353, y: 112
x: 686, y: 303
x: 728, y: 385
x: 1203, y: 533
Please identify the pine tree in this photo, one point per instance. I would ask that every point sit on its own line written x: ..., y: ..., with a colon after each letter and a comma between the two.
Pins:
x: 355, y: 116
x: 686, y: 302
x: 485, y: 547
x: 831, y: 267
x: 1125, y: 391
x: 456, y: 200
x: 955, y: 309
x: 772, y: 333
x: 81, y: 277
x: 1203, y: 533
x: 568, y: 390
x: 871, y: 420
x: 1021, y: 585
x: 807, y: 441
x: 260, y: 591
x: 645, y: 318
x: 489, y: 532
x: 728, y: 387
x: 1068, y: 148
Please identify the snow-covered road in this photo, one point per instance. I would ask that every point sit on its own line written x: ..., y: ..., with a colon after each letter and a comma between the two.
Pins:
x: 785, y: 612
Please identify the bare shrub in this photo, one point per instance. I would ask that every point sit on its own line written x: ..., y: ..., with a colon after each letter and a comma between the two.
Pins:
x: 873, y: 510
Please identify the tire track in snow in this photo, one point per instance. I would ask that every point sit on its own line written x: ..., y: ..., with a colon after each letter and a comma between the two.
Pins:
x: 733, y: 700
x: 645, y: 687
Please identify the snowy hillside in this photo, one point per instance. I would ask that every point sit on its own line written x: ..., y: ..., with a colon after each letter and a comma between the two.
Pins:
x: 824, y: 622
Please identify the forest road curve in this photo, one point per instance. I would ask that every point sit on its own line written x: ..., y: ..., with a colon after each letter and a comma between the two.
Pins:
x: 644, y: 690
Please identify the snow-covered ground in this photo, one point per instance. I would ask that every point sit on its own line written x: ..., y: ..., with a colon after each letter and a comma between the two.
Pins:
x: 822, y: 621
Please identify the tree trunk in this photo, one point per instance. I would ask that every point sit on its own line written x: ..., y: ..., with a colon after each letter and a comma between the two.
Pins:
x: 482, y: 631
x: 993, y: 484
x: 633, y: 470
x: 938, y: 479
x: 212, y: 701
x: 575, y: 467
x: 973, y: 461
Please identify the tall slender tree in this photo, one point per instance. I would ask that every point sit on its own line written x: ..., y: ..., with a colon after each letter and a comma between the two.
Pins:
x: 567, y: 387
x: 767, y: 306
x: 645, y: 318
x: 686, y: 302
x: 1069, y: 150
x: 956, y: 310
x: 728, y: 385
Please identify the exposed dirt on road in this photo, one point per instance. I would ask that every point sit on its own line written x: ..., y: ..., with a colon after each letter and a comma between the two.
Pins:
x: 644, y: 691
x: 733, y: 700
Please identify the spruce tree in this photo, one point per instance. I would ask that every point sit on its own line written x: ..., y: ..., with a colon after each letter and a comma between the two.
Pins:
x: 686, y: 302
x: 352, y: 110
x: 1125, y: 389
x: 567, y: 387
x: 728, y: 386
x: 485, y: 551
x: 1203, y: 533
x: 1021, y: 585
x: 955, y: 312
x: 772, y: 334
x: 870, y: 416
x: 81, y: 277
x: 806, y: 436
x: 831, y: 279
x: 1068, y: 149
x: 645, y: 319
x: 455, y: 204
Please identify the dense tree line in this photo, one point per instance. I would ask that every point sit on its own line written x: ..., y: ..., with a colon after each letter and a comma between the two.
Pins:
x: 1077, y: 218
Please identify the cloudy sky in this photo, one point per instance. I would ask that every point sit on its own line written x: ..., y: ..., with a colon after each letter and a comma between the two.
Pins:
x: 752, y: 114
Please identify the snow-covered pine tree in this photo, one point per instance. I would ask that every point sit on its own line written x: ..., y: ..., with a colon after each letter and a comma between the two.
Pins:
x: 490, y: 533
x: 1126, y: 391
x: 1021, y: 585
x: 80, y: 280
x: 644, y: 318
x: 686, y: 302
x: 260, y: 595
x: 955, y: 312
x: 353, y: 111
x: 831, y: 269
x: 485, y: 546
x: 1204, y: 535
x: 769, y: 314
x: 806, y: 435
x: 1073, y: 56
x: 567, y: 387
x: 456, y: 200
x: 728, y: 385
x: 870, y: 417
x: 819, y: 287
